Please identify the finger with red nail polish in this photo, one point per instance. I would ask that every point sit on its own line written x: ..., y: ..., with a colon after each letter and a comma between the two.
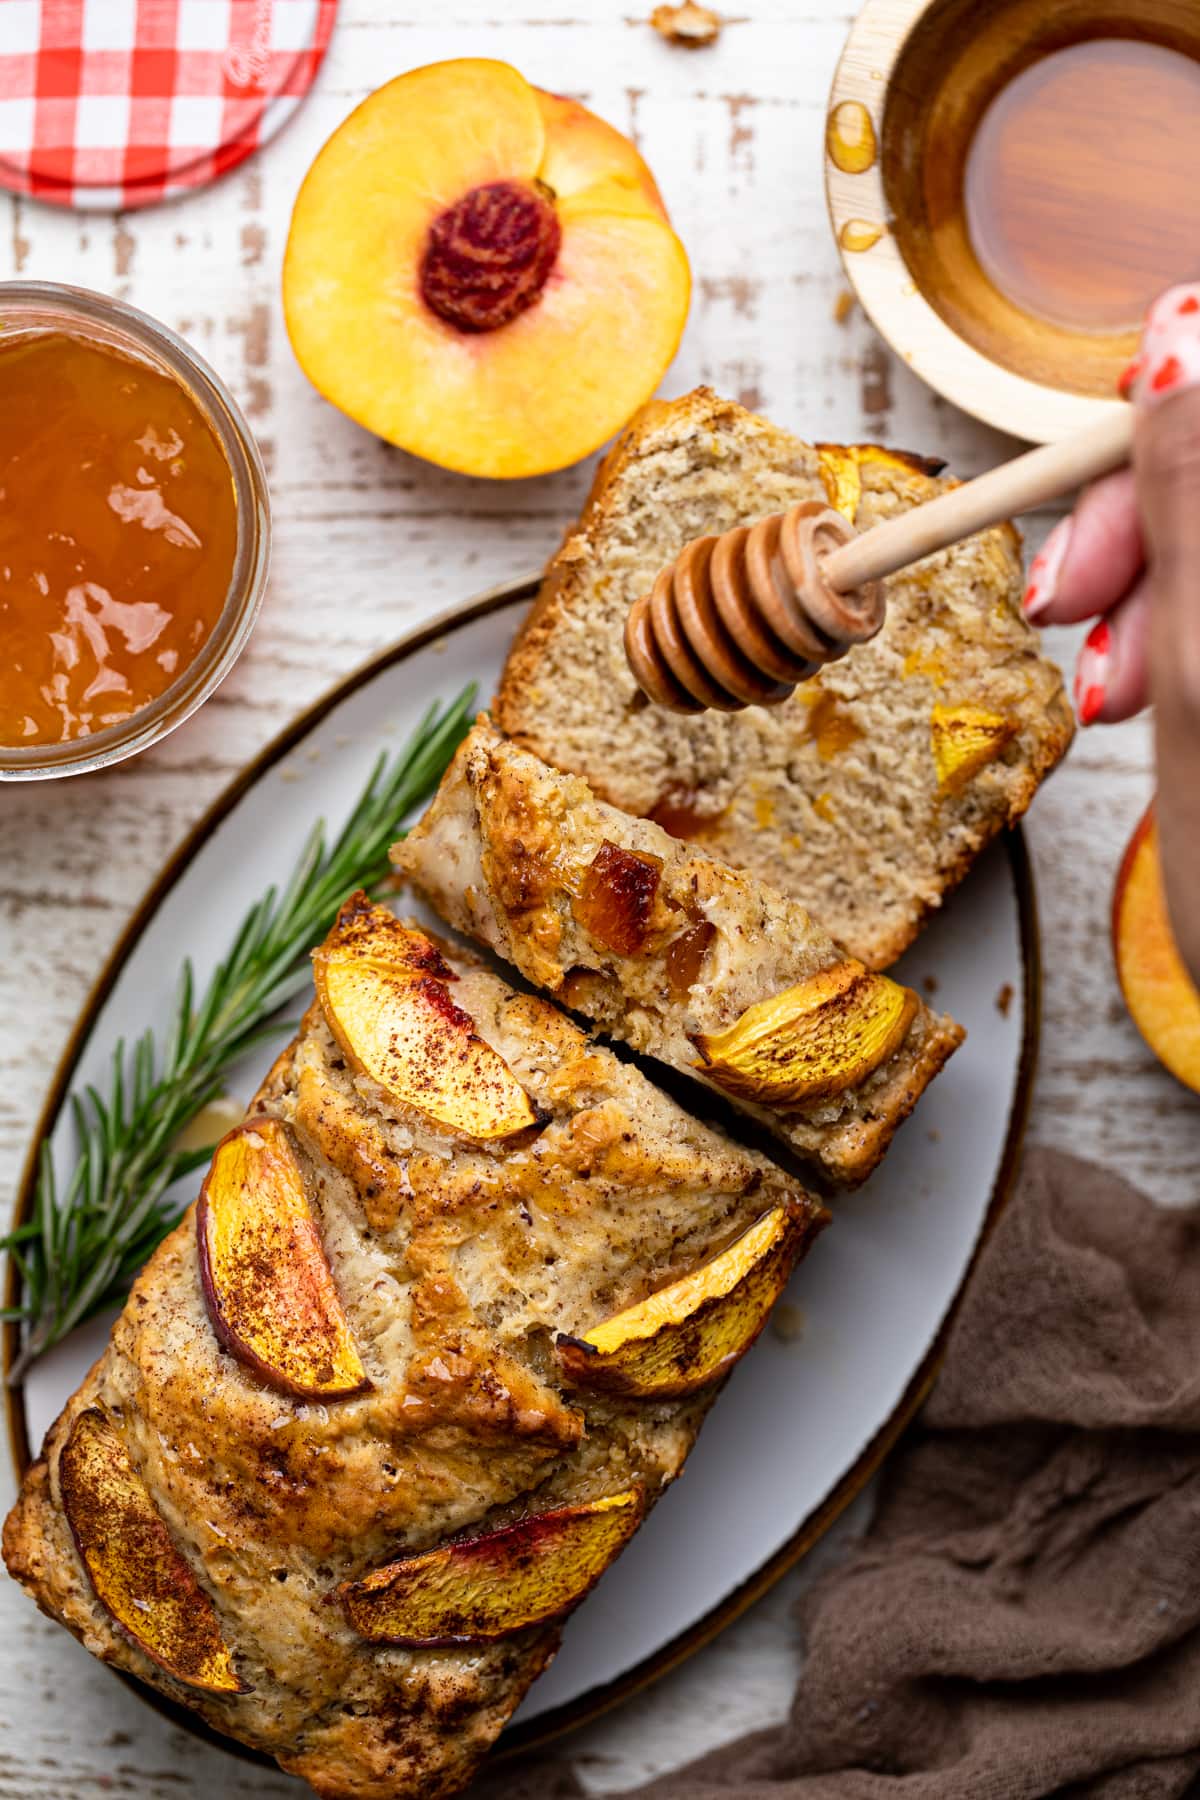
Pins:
x: 1127, y: 379
x: 1091, y: 559
x: 1166, y: 459
x: 1044, y: 572
x: 1091, y: 674
x: 1112, y: 675
x: 1169, y: 357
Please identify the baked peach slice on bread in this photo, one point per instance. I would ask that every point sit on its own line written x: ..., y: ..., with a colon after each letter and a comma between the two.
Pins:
x: 1162, y: 998
x: 384, y: 990
x: 267, y: 1283
x: 137, y: 1573
x: 478, y: 1589
x: 816, y: 1039
x: 483, y: 273
x: 689, y: 1334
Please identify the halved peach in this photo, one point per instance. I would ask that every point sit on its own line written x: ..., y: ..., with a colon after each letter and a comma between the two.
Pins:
x: 616, y: 900
x: 138, y: 1574
x: 483, y: 273
x: 964, y: 739
x: 267, y: 1283
x: 384, y: 990
x: 818, y: 1038
x: 475, y: 1590
x: 690, y: 1334
x: 1162, y: 998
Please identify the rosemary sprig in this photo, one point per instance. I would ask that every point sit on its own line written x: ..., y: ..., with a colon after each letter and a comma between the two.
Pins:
x: 80, y: 1249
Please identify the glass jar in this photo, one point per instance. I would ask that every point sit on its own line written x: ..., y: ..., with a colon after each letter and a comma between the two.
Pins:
x: 45, y: 306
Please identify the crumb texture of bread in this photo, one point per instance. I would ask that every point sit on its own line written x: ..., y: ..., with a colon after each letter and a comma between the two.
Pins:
x: 836, y: 796
x: 457, y: 1264
x: 651, y: 938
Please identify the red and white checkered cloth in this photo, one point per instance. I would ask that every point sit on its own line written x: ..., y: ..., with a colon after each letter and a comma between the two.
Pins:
x: 118, y: 103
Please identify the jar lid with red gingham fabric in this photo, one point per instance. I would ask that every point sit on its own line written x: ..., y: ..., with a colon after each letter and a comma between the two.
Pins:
x: 117, y: 103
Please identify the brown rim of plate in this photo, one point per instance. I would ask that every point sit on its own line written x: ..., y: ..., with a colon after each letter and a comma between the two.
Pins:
x: 590, y: 1705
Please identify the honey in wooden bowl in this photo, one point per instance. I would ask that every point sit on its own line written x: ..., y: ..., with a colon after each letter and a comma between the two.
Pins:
x: 118, y: 531
x: 133, y: 531
x: 1038, y: 161
x: 1080, y: 189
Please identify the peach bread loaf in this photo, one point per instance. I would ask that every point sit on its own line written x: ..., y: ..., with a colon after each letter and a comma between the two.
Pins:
x: 444, y: 1323
x: 868, y: 794
x: 705, y: 967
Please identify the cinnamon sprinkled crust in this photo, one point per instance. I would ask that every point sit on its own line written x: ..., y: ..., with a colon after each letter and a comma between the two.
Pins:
x: 457, y: 1264
x: 834, y: 796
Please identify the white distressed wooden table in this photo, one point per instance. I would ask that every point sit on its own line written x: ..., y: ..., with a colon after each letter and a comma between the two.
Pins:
x: 368, y: 542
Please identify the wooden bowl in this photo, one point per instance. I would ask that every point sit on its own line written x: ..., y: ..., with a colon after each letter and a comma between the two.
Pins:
x: 911, y: 87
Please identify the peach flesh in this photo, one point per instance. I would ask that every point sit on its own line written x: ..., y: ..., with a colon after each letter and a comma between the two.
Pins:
x: 267, y: 1284
x: 377, y: 258
x: 138, y: 1574
x: 478, y: 1589
x: 383, y: 990
x: 1163, y: 1001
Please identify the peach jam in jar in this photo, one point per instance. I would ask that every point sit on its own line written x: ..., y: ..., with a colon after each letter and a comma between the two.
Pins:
x: 132, y: 533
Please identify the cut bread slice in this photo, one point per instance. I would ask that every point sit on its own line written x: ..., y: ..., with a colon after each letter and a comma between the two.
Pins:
x: 705, y: 967
x: 869, y: 793
x: 365, y: 1588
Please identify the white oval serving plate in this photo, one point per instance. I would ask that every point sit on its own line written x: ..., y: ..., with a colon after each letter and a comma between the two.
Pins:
x: 806, y: 1418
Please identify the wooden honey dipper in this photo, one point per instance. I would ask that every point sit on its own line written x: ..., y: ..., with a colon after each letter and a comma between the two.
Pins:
x: 738, y: 620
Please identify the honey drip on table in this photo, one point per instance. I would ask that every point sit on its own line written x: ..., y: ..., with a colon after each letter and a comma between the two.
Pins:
x: 1080, y: 190
x: 118, y: 533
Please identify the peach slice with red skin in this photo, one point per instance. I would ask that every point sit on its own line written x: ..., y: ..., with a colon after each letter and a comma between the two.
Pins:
x: 483, y: 273
x: 137, y: 1573
x: 267, y: 1283
x: 688, y: 1335
x: 815, y: 1039
x: 1162, y: 998
x: 384, y: 990
x: 475, y: 1590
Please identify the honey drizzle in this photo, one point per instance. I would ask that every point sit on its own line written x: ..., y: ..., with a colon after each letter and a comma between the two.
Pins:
x: 850, y: 138
x: 1079, y: 191
x: 858, y: 235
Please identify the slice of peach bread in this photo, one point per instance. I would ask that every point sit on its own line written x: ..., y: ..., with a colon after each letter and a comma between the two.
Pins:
x: 869, y: 793
x: 705, y: 967
x: 444, y: 1324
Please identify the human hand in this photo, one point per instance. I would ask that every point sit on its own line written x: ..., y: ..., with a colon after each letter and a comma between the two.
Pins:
x: 1129, y: 556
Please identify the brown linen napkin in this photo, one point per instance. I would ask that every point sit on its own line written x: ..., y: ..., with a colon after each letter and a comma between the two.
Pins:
x: 1020, y: 1619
